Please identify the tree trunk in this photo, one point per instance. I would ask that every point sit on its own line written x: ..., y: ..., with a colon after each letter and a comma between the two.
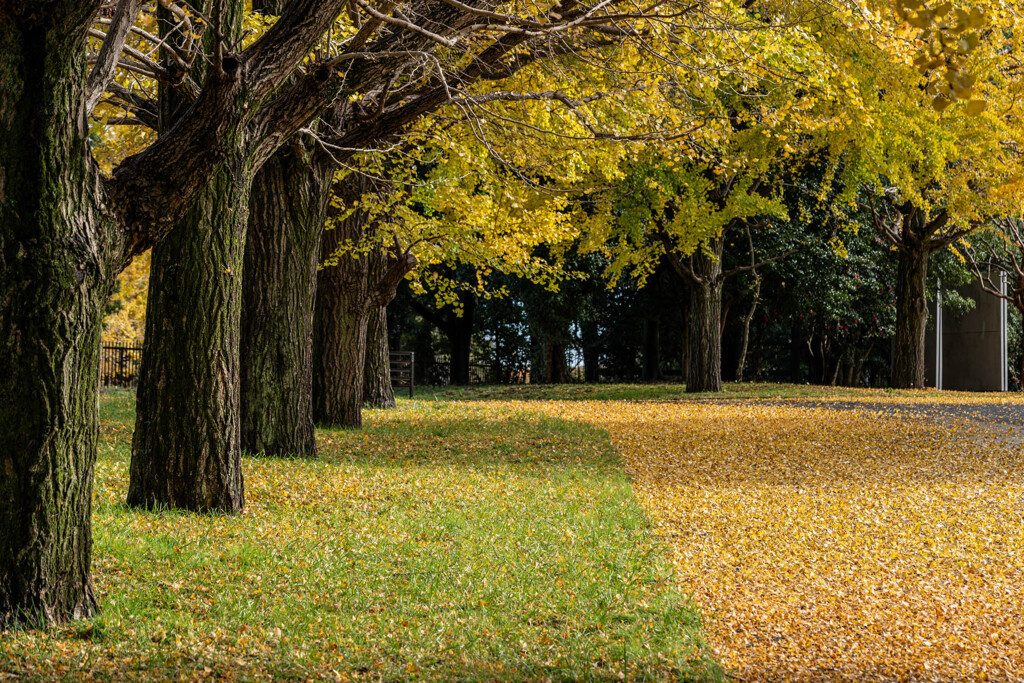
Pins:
x: 555, y: 369
x: 652, y: 344
x: 460, y: 338
x: 288, y: 206
x: 58, y: 261
x: 377, y: 389
x: 186, y: 452
x: 705, y: 326
x: 911, y: 318
x: 755, y: 299
x: 341, y: 314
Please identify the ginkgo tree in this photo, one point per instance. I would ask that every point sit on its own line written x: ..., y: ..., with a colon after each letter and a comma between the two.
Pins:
x: 933, y: 137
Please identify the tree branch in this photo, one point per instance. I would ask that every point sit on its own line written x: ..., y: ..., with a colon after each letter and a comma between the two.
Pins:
x: 106, y: 64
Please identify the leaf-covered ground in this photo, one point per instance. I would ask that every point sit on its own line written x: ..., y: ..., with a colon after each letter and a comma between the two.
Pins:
x: 867, y: 537
x: 443, y: 542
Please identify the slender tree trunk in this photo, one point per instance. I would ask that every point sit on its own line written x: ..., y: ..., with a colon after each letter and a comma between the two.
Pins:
x: 652, y: 344
x: 58, y: 260
x: 186, y: 452
x: 288, y: 206
x: 705, y: 325
x: 377, y: 389
x: 911, y: 318
x: 460, y: 338
x: 755, y: 299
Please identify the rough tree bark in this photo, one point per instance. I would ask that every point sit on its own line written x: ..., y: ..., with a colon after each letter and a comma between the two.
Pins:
x: 287, y: 212
x: 65, y: 233
x: 916, y: 236
x: 705, y: 322
x: 51, y: 303
x: 347, y: 293
x: 911, y: 318
x: 377, y: 389
x: 186, y: 451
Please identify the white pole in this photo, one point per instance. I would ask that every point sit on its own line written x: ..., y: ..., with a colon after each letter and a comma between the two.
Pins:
x: 938, y: 336
x: 1004, y: 352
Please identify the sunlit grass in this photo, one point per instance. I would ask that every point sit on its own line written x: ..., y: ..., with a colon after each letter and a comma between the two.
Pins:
x: 444, y: 541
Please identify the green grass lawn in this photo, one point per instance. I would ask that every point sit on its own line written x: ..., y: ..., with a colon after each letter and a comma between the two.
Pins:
x: 453, y: 541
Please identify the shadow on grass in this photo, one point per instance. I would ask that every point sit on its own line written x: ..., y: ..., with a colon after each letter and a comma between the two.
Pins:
x: 441, y: 543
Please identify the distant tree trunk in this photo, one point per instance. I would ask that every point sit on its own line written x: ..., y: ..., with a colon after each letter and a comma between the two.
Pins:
x: 460, y: 337
x: 652, y: 344
x: 288, y: 205
x: 705, y: 336
x: 911, y: 318
x: 755, y: 299
x: 555, y: 369
x: 57, y: 269
x: 591, y: 352
x: 377, y: 389
x: 859, y: 367
x: 347, y: 294
x: 186, y: 451
x: 339, y: 346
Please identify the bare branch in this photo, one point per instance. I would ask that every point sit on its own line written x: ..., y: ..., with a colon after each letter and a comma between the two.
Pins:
x: 106, y: 64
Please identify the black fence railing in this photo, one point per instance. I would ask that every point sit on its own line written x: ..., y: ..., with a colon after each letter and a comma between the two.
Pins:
x: 439, y: 374
x: 119, y: 364
x: 403, y: 371
x: 119, y: 367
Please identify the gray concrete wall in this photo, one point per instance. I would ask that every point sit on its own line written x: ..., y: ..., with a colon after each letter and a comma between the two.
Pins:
x: 973, y: 345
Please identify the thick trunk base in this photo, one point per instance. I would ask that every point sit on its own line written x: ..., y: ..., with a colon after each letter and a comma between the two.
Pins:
x: 186, y: 452
x: 286, y: 218
x: 911, y: 319
x: 377, y: 389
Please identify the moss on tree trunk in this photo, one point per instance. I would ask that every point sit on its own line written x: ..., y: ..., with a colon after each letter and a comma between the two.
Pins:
x: 186, y: 452
x: 58, y: 259
x: 287, y: 212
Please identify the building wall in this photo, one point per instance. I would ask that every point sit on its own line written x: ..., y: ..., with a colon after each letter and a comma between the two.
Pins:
x: 973, y: 345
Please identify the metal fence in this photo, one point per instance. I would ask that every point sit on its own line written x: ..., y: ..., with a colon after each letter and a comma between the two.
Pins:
x: 119, y: 367
x: 119, y: 364
x: 403, y: 371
